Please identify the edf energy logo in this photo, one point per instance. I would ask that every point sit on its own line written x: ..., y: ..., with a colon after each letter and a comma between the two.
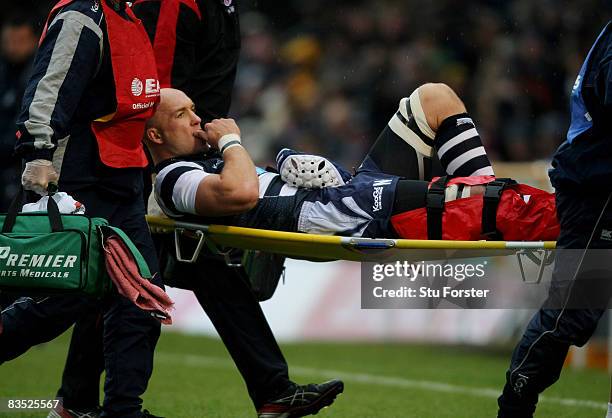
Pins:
x: 136, y: 87
x: 35, y: 266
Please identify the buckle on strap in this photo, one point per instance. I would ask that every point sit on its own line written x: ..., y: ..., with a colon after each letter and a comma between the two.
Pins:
x: 436, y: 194
x: 435, y: 207
x: 493, y: 191
x: 490, y: 202
x: 435, y: 199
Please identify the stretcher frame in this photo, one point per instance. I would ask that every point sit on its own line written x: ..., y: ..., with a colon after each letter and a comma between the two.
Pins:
x: 332, y: 247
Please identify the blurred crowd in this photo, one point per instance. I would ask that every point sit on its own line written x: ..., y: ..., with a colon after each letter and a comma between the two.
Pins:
x: 325, y: 76
x: 18, y: 41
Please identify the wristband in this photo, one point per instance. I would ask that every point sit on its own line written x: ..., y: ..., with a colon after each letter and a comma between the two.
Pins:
x: 229, y: 145
x: 228, y: 141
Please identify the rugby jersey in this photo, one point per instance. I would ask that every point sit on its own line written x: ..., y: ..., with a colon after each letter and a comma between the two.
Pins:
x: 178, y: 179
x: 361, y: 207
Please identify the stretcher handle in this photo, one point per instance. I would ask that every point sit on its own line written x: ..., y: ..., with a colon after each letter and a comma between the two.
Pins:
x: 177, y: 245
x: 55, y: 220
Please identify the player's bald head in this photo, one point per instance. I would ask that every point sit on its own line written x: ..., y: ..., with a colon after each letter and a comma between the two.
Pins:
x: 168, y: 100
x: 174, y: 128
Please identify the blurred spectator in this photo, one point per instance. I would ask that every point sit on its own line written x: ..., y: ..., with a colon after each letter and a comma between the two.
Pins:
x: 325, y: 82
x: 18, y: 40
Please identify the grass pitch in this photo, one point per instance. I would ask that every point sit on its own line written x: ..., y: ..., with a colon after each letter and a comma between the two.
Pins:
x: 194, y: 377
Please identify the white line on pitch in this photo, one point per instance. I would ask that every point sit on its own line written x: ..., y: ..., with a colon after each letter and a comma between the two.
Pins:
x: 398, y: 382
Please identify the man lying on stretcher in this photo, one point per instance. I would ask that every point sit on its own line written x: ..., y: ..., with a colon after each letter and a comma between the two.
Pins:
x: 391, y: 194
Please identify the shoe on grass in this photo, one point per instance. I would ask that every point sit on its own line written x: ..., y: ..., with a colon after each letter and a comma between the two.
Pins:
x: 301, y: 400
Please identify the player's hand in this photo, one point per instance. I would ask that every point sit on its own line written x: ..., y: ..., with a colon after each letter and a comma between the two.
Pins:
x: 37, y: 175
x: 201, y: 135
x: 218, y: 128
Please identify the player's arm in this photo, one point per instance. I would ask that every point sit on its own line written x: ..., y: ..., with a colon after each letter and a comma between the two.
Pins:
x: 236, y: 188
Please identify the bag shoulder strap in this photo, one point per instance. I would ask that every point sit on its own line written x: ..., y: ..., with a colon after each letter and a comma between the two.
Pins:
x: 435, y: 207
x: 55, y: 219
x: 490, y: 203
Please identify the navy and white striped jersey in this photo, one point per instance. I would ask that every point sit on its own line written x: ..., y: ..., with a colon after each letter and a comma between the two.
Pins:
x: 362, y: 207
x: 177, y: 182
x: 71, y: 85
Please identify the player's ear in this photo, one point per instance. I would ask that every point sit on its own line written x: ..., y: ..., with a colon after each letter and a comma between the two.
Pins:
x: 153, y: 135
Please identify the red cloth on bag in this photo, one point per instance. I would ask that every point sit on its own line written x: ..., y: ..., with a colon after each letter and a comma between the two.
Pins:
x: 524, y: 213
x: 124, y: 273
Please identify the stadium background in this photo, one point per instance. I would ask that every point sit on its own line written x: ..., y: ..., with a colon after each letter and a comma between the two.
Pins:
x: 324, y: 77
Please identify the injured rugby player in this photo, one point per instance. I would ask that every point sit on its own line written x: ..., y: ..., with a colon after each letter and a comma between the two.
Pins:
x: 424, y: 177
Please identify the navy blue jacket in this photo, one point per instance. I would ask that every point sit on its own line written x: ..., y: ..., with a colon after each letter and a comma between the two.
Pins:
x: 584, y: 161
x: 71, y: 85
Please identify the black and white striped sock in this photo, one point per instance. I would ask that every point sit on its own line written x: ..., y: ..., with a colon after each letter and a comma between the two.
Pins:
x: 407, y: 142
x: 460, y: 149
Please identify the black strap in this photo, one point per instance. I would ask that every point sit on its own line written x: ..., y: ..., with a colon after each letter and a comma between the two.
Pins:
x: 435, y: 207
x: 490, y: 203
x: 11, y: 216
x: 55, y: 219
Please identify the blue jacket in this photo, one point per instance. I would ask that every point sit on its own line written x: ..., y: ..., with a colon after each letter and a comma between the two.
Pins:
x: 71, y: 85
x: 584, y: 161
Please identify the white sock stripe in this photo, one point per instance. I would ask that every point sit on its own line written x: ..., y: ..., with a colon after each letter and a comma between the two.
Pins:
x: 484, y: 171
x: 470, y: 133
x: 464, y: 158
x: 409, y: 137
x: 419, y: 114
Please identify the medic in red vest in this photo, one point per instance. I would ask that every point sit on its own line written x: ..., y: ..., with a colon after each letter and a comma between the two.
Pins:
x: 107, y: 89
x: 93, y: 85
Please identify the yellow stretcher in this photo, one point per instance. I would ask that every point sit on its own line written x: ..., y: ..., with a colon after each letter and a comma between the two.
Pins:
x: 328, y: 248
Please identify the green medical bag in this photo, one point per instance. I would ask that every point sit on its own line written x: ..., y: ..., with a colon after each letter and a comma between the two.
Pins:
x: 50, y: 253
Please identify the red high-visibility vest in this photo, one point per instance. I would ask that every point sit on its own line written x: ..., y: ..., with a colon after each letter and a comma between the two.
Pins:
x: 119, y: 134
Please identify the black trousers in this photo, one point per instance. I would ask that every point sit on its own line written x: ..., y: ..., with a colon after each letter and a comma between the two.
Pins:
x: 127, y: 335
x: 578, y: 297
x: 225, y: 295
